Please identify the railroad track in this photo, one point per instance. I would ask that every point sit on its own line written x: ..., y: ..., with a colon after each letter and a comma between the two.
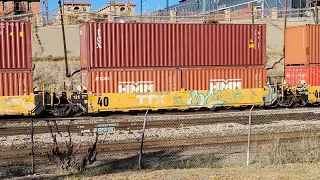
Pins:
x: 156, y: 114
x: 23, y: 155
x: 107, y: 126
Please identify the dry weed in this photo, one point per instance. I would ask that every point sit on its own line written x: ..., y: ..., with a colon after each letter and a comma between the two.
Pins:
x: 53, y: 73
x: 277, y: 151
x: 55, y: 58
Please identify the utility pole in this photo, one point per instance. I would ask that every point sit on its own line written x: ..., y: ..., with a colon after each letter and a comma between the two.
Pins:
x: 45, y: 2
x: 204, y: 9
x: 168, y: 7
x: 47, y: 12
x: 64, y: 40
x: 252, y: 13
x: 316, y: 12
x: 284, y: 29
x: 141, y: 1
x: 128, y: 8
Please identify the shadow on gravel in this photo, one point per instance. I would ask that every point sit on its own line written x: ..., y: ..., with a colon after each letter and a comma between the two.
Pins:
x: 10, y: 171
x: 163, y: 159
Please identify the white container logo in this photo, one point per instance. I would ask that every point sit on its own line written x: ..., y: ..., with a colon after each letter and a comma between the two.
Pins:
x: 222, y: 84
x: 136, y: 87
x: 101, y: 78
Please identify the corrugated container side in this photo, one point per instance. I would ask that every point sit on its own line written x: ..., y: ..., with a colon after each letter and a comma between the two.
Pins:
x: 15, y: 45
x: 302, y: 45
x: 314, y: 44
x: 124, y: 80
x: 297, y: 75
x: 218, y: 78
x: 124, y: 45
x: 296, y: 45
x: 84, y: 40
x: 16, y: 83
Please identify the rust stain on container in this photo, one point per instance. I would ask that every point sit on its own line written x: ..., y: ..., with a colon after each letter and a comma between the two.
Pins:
x: 133, y: 81
x: 15, y: 45
x: 16, y: 83
x: 124, y: 45
x: 298, y: 75
x: 220, y: 78
x: 302, y: 45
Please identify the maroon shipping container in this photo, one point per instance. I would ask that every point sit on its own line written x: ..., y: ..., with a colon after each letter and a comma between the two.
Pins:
x: 298, y: 75
x: 15, y: 45
x: 16, y: 83
x: 124, y: 80
x: 124, y: 45
x: 220, y: 78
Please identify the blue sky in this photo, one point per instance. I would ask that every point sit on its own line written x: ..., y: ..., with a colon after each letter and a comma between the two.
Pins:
x: 148, y: 5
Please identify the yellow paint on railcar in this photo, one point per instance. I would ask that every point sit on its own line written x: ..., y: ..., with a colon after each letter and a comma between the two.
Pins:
x: 16, y: 105
x: 314, y: 94
x: 181, y: 100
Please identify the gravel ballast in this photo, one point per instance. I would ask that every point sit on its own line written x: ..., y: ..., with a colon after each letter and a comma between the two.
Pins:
x: 214, y: 130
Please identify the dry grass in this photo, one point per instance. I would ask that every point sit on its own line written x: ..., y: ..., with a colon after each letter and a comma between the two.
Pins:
x: 306, y: 150
x: 55, y: 58
x: 292, y: 171
x: 53, y: 73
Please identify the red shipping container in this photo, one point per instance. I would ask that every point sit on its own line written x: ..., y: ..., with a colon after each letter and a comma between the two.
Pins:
x: 220, y: 78
x: 15, y: 45
x: 134, y: 81
x: 298, y: 75
x: 302, y: 45
x: 124, y: 45
x: 16, y: 83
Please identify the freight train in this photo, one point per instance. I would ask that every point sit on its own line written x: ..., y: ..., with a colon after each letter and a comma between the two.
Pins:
x: 130, y: 67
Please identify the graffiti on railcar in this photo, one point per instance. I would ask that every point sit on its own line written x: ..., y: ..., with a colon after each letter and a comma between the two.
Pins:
x: 228, y: 96
x: 200, y: 98
x: 214, y: 97
x: 177, y: 100
x: 16, y: 105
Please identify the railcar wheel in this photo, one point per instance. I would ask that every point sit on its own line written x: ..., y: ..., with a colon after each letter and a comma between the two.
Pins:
x: 287, y: 102
x: 275, y: 104
x: 300, y: 101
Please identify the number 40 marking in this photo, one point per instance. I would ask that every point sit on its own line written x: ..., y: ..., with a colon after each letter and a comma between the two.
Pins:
x: 105, y: 101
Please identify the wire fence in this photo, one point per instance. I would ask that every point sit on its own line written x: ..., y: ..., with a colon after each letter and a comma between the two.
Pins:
x: 228, y: 15
x: 109, y: 145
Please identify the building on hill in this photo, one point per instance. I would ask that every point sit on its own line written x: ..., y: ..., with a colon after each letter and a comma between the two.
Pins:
x: 75, y: 11
x: 115, y: 10
x: 9, y: 8
x: 76, y: 7
x: 217, y: 5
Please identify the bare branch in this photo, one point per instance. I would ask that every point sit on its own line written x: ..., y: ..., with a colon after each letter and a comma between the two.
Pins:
x: 67, y: 159
x: 57, y: 129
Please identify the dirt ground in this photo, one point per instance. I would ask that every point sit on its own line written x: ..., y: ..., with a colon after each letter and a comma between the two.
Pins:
x: 289, y: 171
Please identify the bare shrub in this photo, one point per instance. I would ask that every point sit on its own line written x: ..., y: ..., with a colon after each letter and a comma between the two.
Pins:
x: 66, y: 160
x: 53, y: 73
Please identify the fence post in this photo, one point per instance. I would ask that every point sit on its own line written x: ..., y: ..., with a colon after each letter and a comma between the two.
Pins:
x: 249, y: 136
x: 142, y: 139
x: 32, y: 151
